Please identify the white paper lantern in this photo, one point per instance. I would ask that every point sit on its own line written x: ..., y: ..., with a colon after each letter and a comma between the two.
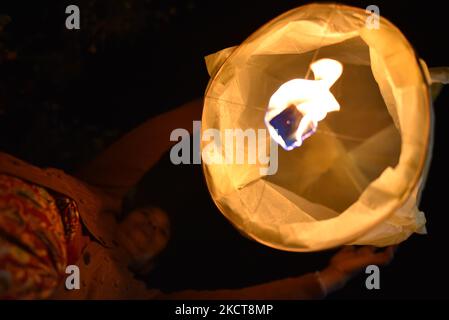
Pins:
x: 358, y: 179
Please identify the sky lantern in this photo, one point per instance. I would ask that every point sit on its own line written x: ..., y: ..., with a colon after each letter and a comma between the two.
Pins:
x: 346, y: 106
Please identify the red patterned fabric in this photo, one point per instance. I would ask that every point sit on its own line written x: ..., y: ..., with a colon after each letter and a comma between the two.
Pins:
x: 37, y: 239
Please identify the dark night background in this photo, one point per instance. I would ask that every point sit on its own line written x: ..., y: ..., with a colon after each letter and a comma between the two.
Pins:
x: 66, y: 95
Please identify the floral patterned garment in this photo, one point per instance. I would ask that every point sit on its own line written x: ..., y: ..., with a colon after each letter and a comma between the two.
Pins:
x: 37, y: 232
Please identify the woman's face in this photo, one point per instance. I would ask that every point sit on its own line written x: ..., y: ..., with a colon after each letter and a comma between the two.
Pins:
x: 144, y: 233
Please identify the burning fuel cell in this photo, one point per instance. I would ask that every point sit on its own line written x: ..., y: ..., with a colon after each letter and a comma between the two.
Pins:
x: 295, y: 109
x: 287, y: 122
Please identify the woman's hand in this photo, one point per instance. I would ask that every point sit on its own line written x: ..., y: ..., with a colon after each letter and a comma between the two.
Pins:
x: 351, y: 260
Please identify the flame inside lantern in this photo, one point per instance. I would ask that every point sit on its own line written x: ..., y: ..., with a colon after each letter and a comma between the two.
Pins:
x: 298, y: 105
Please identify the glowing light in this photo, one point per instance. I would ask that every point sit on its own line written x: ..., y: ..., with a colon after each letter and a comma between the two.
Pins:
x: 295, y: 109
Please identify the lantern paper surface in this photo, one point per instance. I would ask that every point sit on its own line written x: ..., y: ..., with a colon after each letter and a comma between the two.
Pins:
x: 358, y: 179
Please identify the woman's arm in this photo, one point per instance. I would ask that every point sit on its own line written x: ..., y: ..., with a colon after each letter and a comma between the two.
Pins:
x: 123, y: 164
x: 299, y: 288
x: 345, y: 264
